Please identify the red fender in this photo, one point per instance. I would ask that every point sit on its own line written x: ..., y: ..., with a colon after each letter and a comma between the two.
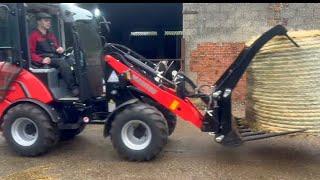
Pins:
x: 26, y: 85
x: 36, y: 89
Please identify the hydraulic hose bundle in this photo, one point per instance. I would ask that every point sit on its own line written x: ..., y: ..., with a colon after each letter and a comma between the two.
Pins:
x: 284, y: 84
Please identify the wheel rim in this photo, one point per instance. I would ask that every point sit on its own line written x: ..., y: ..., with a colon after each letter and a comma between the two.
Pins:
x: 24, y: 131
x: 136, y: 134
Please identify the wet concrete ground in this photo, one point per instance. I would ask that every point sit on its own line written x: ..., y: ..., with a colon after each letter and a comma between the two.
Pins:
x: 189, y: 154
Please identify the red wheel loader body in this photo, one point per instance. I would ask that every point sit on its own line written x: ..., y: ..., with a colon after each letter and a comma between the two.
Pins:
x: 36, y: 110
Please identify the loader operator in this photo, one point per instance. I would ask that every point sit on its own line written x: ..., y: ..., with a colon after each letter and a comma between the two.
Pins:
x: 45, y: 50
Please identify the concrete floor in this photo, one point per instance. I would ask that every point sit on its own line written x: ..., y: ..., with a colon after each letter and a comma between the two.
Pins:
x: 189, y: 154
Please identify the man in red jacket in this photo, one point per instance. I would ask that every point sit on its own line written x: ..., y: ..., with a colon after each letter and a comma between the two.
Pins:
x: 45, y: 49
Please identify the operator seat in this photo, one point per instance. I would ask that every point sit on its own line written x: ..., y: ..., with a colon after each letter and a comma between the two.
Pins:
x: 48, y: 75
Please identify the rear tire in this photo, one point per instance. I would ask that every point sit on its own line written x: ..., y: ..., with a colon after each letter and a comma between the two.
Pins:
x: 139, y: 132
x: 69, y: 134
x: 28, y: 130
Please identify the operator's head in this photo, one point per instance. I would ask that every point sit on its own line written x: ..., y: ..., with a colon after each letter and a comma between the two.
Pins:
x: 44, y: 20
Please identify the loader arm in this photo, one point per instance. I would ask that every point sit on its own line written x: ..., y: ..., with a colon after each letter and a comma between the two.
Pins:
x: 163, y: 95
x: 233, y: 74
x: 217, y: 116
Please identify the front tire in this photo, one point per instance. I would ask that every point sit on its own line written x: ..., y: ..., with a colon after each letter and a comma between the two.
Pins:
x: 28, y: 130
x: 169, y: 116
x: 171, y: 121
x: 139, y: 132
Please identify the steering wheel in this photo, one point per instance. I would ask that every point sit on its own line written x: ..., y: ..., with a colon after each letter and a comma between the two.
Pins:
x: 68, y: 51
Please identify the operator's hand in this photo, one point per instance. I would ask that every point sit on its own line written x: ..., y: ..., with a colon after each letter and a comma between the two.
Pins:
x: 46, y: 60
x: 60, y: 50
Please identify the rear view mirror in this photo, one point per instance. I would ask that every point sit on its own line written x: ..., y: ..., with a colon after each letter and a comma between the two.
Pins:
x: 104, y: 25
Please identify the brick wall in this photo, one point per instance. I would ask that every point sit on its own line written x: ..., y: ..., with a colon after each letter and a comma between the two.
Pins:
x: 210, y: 60
x: 215, y: 33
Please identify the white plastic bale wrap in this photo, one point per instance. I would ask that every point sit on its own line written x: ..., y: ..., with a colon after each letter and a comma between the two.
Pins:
x: 284, y: 84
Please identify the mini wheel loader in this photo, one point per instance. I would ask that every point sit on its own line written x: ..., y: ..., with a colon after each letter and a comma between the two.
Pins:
x: 138, y: 104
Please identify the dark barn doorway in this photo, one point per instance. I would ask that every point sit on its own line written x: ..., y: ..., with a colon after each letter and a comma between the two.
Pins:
x: 154, y: 30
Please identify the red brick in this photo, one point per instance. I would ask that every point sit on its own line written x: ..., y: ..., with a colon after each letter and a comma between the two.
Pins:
x: 210, y: 60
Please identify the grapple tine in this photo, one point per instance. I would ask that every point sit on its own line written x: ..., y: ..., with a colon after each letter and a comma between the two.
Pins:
x: 245, y: 134
x: 268, y: 135
x: 241, y: 133
x: 244, y: 130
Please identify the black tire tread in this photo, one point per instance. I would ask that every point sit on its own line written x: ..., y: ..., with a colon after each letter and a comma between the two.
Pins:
x: 155, y: 116
x: 49, y: 128
x: 169, y: 116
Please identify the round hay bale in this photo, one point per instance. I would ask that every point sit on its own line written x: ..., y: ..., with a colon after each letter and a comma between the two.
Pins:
x: 284, y: 84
